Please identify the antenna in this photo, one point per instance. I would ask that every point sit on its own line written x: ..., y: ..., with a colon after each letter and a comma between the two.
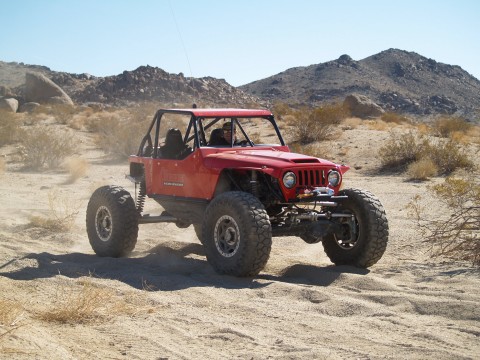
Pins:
x: 184, y: 50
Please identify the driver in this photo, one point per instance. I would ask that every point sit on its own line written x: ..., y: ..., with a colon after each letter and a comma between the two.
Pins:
x: 227, y: 133
x: 222, y: 136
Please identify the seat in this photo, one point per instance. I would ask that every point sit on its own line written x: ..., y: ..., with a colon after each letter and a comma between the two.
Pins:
x: 174, y: 145
x: 216, y: 138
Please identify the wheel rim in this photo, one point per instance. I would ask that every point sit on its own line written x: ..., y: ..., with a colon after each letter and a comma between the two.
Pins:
x: 227, y: 236
x: 351, y: 233
x: 103, y: 223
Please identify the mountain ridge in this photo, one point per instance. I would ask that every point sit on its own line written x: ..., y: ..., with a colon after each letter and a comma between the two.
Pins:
x: 397, y: 80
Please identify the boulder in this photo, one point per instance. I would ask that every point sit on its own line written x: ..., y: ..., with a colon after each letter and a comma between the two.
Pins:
x: 362, y: 107
x: 10, y: 105
x: 40, y: 89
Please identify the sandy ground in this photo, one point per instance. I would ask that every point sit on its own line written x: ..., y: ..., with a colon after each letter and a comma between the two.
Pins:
x: 166, y: 302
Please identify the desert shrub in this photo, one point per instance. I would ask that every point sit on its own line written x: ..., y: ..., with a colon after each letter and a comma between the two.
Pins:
x: 401, y: 150
x: 73, y: 305
x: 456, y: 232
x: 45, y: 147
x: 61, y: 215
x: 315, y: 150
x: 351, y: 123
x: 422, y: 169
x: 391, y: 117
x: 119, y: 133
x: 316, y: 124
x: 85, y: 302
x: 10, y: 130
x: 280, y: 109
x: 448, y: 156
x: 3, y: 165
x: 10, y: 312
x: 61, y: 113
x: 405, y: 149
x: 445, y: 126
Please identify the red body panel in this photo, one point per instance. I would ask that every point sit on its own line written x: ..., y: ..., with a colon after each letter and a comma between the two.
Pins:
x: 197, y: 175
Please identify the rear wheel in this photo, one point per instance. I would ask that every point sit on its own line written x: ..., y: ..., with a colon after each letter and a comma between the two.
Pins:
x: 237, y: 234
x: 112, y: 221
x: 365, y: 234
x: 198, y: 231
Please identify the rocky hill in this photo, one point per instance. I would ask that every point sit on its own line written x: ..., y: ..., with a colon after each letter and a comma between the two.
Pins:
x: 396, y: 80
x: 145, y: 83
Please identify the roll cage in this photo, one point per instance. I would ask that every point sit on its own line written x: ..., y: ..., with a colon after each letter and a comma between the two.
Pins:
x: 200, y: 121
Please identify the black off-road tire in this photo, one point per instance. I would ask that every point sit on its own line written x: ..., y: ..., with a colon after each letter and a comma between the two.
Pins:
x: 237, y: 234
x: 372, y: 231
x: 112, y: 221
x: 198, y: 231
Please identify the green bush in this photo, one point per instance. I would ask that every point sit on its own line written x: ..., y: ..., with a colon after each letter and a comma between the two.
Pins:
x: 310, y: 125
x: 403, y: 150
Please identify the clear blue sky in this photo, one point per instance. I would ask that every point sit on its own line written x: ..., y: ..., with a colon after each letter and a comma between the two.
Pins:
x: 239, y: 41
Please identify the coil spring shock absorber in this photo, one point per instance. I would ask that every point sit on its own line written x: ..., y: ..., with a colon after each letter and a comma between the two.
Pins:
x: 142, y: 193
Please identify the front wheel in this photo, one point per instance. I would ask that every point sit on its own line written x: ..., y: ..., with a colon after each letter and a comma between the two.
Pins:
x: 112, y: 221
x: 365, y: 237
x: 237, y: 234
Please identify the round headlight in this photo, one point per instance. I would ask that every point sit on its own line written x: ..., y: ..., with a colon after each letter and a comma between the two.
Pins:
x: 289, y: 179
x: 334, y: 178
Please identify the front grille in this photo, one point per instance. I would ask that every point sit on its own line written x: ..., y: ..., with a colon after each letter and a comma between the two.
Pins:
x: 311, y: 178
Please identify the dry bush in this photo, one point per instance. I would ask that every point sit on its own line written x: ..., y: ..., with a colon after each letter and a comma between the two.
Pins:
x: 391, y: 117
x: 448, y: 156
x: 378, y: 125
x: 445, y: 126
x: 10, y: 130
x: 351, y: 123
x: 46, y: 147
x: 61, y: 217
x: 3, y: 165
x: 456, y: 232
x: 10, y: 312
x: 119, y: 133
x: 402, y: 150
x: 318, y: 124
x: 280, y: 109
x: 80, y: 119
x: 315, y: 150
x: 61, y: 113
x: 77, y: 168
x: 74, y: 306
x: 422, y: 169
x: 88, y: 302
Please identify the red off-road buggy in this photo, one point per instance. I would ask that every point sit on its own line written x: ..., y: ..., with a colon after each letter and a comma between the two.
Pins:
x: 237, y: 192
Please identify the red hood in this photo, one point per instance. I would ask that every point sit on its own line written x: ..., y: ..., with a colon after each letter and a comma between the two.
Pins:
x: 269, y: 161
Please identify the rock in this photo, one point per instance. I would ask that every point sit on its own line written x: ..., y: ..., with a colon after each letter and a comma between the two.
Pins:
x: 39, y: 88
x: 29, y: 107
x: 362, y: 107
x: 10, y: 105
